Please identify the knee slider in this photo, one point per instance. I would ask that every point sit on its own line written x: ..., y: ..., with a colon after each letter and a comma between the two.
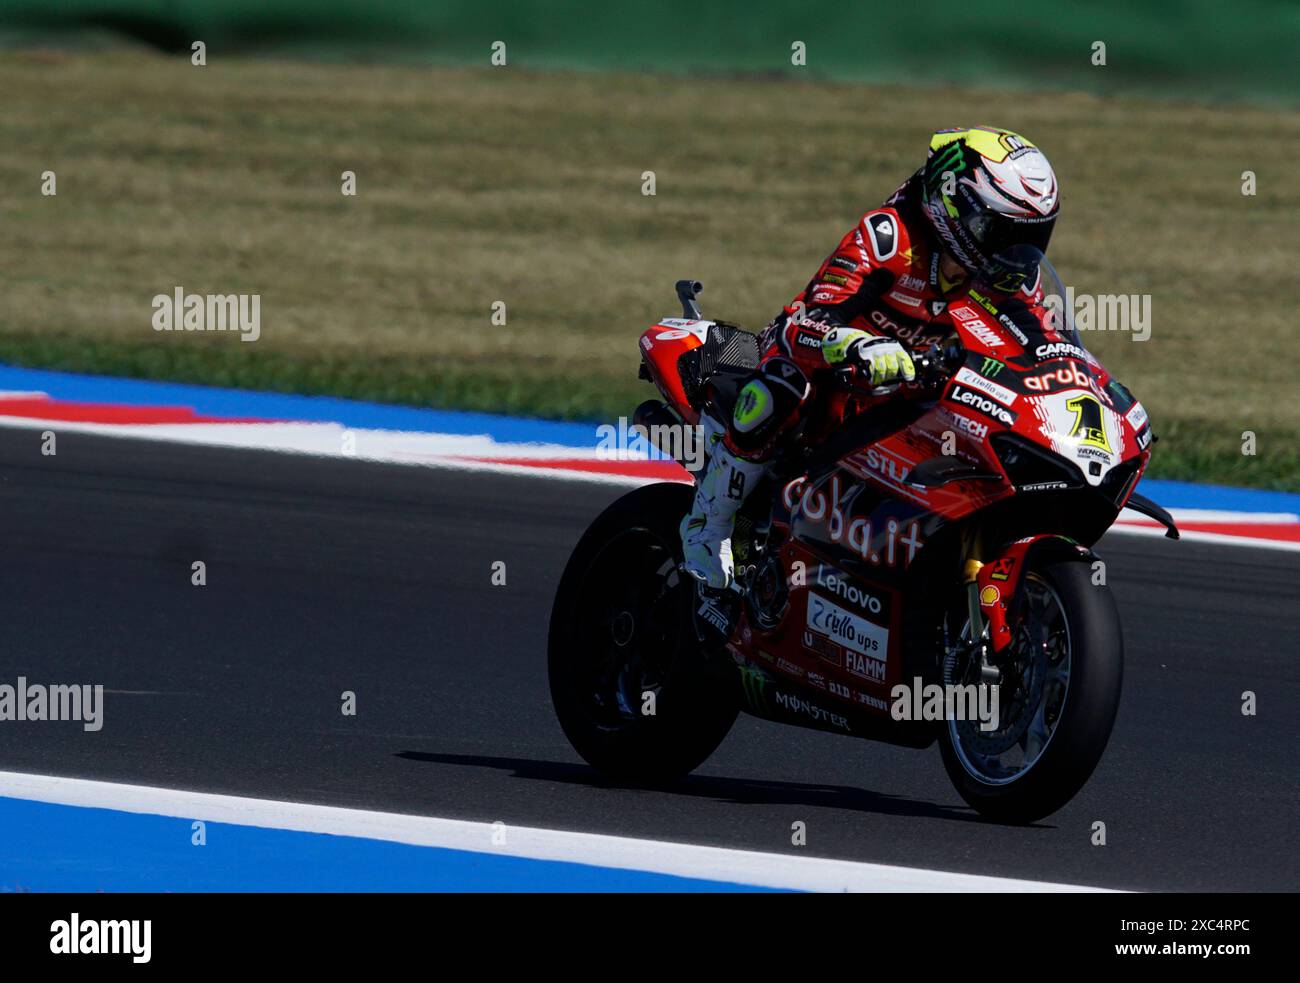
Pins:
x: 767, y: 403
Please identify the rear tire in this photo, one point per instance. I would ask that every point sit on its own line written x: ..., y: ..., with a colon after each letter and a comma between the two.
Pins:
x: 1085, y: 719
x: 621, y: 629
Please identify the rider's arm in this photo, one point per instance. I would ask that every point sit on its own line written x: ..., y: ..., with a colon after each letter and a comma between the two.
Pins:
x: 829, y: 324
x: 843, y: 291
x: 841, y: 300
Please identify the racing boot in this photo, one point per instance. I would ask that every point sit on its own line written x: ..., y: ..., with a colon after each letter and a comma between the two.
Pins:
x: 706, y: 531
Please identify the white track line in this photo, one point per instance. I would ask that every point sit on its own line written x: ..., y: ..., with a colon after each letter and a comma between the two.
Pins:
x: 1193, y: 536
x: 594, y: 849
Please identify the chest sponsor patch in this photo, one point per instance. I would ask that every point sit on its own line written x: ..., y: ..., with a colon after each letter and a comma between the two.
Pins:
x: 908, y: 300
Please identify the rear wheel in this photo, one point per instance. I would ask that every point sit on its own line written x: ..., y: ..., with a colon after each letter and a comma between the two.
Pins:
x: 631, y: 689
x: 1057, y: 699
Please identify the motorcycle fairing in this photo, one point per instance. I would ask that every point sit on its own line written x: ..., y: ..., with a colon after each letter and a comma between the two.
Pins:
x: 765, y: 694
x: 838, y: 632
x: 662, y: 346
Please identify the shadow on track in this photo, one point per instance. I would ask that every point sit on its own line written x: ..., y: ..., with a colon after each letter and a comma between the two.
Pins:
x: 735, y: 790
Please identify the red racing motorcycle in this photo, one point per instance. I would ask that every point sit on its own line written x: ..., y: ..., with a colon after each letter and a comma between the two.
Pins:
x: 922, y: 572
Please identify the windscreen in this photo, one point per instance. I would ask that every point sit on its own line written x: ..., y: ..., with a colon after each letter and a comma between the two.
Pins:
x: 1054, y: 297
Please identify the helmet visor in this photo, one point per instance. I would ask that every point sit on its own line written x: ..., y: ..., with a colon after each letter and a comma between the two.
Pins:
x: 997, y: 233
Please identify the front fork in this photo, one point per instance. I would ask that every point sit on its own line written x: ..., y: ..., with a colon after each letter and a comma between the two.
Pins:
x: 992, y: 574
x: 980, y: 627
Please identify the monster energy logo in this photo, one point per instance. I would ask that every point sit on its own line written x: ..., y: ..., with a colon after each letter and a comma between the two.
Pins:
x: 753, y: 685
x: 949, y: 159
x: 991, y: 367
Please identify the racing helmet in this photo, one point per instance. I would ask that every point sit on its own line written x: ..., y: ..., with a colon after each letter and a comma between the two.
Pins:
x: 986, y: 190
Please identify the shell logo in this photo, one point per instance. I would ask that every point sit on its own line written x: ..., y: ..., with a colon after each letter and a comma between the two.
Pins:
x: 990, y: 595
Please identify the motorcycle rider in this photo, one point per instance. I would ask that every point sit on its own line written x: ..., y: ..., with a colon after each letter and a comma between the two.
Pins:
x: 983, y: 195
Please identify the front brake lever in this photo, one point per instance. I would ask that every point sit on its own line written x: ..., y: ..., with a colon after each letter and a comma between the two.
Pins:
x: 847, y: 375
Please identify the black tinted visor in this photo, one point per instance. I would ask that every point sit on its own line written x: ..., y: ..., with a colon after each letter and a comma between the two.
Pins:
x: 998, y: 233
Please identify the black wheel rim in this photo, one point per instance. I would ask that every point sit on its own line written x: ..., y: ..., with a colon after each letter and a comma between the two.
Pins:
x: 628, y: 629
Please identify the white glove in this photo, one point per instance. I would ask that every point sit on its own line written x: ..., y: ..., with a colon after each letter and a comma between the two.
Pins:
x: 883, y: 358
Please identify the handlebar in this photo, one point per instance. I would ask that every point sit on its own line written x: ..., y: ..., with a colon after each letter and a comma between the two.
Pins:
x: 848, y: 379
x: 932, y: 368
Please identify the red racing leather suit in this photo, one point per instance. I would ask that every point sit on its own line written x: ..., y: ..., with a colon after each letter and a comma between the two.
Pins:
x: 884, y: 279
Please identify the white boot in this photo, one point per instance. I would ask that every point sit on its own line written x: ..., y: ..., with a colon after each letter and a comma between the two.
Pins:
x: 706, y: 531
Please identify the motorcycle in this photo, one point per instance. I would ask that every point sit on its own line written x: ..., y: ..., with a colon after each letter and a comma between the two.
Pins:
x: 922, y: 572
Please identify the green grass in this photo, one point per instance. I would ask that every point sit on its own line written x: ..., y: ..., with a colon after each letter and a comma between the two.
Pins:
x: 484, y: 185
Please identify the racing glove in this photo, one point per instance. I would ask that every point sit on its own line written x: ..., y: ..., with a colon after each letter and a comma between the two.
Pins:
x: 883, y: 359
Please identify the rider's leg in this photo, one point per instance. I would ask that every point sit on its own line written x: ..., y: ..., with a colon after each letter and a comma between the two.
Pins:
x: 721, y: 489
x: 738, y: 457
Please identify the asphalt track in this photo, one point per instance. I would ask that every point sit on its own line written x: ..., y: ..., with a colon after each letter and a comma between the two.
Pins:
x: 333, y: 575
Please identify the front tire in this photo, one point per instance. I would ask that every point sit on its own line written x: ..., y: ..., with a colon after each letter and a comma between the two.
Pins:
x: 632, y: 691
x: 1068, y: 704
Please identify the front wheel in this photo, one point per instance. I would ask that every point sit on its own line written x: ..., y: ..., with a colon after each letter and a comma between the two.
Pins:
x: 632, y: 692
x: 1057, y: 700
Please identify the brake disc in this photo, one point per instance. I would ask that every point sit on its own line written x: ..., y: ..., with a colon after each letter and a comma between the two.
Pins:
x: 1016, y: 709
